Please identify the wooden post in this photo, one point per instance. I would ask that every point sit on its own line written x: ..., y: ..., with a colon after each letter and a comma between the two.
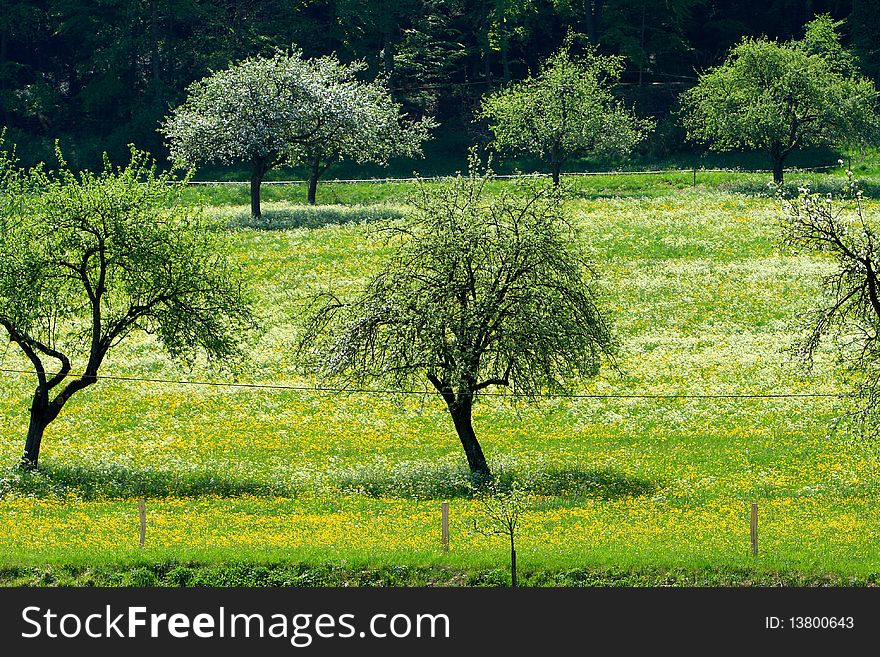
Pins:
x: 754, y: 529
x: 695, y: 176
x: 444, y: 526
x: 142, y: 511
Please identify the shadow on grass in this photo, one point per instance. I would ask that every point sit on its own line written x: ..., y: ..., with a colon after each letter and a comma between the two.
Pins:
x: 120, y: 482
x: 429, y: 481
x: 313, y: 217
x: 602, y: 484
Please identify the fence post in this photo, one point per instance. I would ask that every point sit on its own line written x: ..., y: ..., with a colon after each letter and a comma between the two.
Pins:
x: 444, y: 526
x: 142, y: 511
x: 754, y: 529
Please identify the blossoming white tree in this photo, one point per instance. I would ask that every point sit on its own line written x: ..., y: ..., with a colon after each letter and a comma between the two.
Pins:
x: 287, y: 109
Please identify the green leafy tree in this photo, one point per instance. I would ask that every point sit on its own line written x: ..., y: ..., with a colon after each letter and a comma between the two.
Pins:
x: 482, y: 290
x: 362, y: 123
x: 777, y: 97
x: 90, y: 259
x: 565, y: 111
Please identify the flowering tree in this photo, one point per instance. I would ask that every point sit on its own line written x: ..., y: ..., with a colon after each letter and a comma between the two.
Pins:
x: 483, y: 290
x: 90, y: 259
x: 286, y: 109
x: 564, y: 111
x: 359, y: 121
x: 777, y: 97
x: 254, y: 112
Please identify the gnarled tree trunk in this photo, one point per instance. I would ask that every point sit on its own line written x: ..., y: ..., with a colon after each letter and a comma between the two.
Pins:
x: 259, y: 167
x: 461, y: 410
x: 44, y: 412
x: 36, y: 428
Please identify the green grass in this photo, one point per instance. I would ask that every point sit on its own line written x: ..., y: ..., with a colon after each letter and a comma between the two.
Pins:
x: 347, y: 487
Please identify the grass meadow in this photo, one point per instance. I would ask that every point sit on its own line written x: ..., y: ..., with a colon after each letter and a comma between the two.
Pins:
x: 700, y: 291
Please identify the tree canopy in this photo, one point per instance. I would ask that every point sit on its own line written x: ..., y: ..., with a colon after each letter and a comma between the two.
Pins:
x: 362, y: 123
x: 99, y: 80
x: 565, y: 110
x: 481, y: 290
x: 90, y: 259
x: 287, y: 109
x: 254, y: 112
x: 777, y: 97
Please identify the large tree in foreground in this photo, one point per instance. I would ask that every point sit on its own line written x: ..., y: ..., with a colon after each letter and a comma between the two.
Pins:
x: 90, y: 259
x: 777, y: 97
x: 847, y: 310
x: 567, y: 110
x: 481, y: 290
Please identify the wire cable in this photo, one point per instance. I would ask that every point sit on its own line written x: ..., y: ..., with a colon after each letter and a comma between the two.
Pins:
x: 503, y: 176
x: 391, y: 391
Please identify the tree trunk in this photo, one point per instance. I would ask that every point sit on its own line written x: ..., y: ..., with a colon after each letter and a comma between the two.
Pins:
x: 642, y: 44
x: 512, y: 562
x: 388, y: 53
x: 778, y: 170
x: 591, y: 23
x: 597, y: 20
x: 485, y: 24
x: 314, y: 174
x: 257, y: 173
x: 556, y: 167
x: 3, y: 73
x: 505, y: 58
x: 461, y: 411
x: 38, y: 423
x: 154, y: 53
x: 41, y: 417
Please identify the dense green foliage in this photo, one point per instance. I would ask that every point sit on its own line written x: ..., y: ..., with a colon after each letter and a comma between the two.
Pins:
x: 90, y: 259
x: 780, y: 96
x: 564, y: 111
x: 101, y: 75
